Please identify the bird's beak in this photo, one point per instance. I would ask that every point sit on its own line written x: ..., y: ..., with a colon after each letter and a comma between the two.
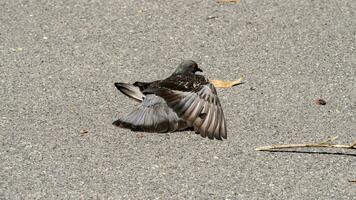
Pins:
x: 199, y: 70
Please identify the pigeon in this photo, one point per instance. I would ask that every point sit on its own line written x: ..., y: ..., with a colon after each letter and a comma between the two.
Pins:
x: 184, y: 100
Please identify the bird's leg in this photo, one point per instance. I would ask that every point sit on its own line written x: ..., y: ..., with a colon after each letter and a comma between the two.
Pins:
x: 226, y: 84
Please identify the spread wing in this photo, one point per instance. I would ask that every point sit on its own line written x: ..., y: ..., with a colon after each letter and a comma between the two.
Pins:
x: 152, y: 115
x: 200, y: 108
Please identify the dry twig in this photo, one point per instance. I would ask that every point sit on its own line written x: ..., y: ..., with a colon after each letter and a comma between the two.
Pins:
x: 227, y: 1
x: 327, y: 144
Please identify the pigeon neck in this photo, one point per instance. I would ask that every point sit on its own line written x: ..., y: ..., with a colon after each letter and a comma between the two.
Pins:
x: 178, y: 71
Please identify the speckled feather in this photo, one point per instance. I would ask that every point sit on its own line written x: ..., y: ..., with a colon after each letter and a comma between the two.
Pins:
x: 183, y: 100
x: 180, y: 82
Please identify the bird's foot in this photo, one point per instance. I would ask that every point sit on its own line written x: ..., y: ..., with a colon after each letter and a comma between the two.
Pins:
x: 226, y: 84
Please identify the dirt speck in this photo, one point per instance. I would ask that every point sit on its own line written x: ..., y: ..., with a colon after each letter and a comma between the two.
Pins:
x: 320, y: 102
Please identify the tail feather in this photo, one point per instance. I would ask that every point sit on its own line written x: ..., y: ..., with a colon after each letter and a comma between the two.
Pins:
x: 130, y: 91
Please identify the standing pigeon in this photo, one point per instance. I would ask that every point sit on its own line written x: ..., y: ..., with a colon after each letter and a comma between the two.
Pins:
x: 183, y: 100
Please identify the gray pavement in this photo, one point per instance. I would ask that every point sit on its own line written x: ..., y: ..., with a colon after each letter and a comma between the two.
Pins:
x: 59, y: 60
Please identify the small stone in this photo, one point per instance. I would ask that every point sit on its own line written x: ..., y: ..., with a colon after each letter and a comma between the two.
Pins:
x: 83, y: 131
x: 320, y: 102
x: 140, y: 135
x: 211, y: 17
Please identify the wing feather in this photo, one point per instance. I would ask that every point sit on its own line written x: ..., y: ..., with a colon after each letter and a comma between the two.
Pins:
x: 200, y: 109
x: 152, y: 115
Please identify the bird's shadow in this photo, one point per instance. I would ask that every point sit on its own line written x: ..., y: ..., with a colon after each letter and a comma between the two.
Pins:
x: 314, y: 152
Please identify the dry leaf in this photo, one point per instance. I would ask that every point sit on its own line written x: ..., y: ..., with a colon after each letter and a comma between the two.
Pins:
x: 226, y: 84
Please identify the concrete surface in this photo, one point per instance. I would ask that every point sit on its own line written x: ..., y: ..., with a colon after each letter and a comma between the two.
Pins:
x: 59, y: 60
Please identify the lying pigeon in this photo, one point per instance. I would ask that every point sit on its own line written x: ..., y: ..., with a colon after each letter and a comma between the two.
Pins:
x: 183, y: 100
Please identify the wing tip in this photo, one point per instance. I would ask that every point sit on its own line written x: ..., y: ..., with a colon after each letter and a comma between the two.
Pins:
x: 117, y: 123
x: 224, y: 137
x: 221, y: 136
x: 122, y: 124
x: 119, y: 85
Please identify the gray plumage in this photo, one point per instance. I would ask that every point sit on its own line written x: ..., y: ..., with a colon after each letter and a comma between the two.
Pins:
x: 152, y: 115
x: 181, y: 101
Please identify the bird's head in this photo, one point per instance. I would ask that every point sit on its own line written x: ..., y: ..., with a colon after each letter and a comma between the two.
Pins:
x: 187, y: 66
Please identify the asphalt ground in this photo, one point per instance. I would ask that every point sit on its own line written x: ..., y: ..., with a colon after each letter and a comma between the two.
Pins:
x: 59, y: 60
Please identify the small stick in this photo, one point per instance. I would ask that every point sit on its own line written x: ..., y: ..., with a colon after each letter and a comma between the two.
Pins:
x: 227, y: 1
x: 322, y: 144
x: 352, y: 181
x: 353, y: 144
